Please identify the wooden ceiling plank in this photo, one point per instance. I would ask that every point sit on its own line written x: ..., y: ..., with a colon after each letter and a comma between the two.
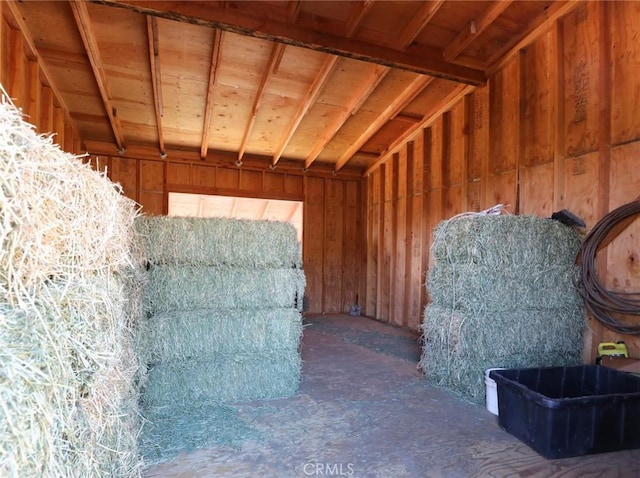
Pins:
x: 368, y: 86
x: 215, y: 58
x: 417, y: 24
x: 397, y: 105
x: 83, y: 22
x: 466, y: 37
x: 154, y: 66
x: 427, y: 63
x: 268, y: 72
x: 310, y: 98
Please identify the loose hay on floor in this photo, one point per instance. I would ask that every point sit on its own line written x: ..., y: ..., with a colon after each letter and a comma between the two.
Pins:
x: 169, y: 431
x: 502, y: 295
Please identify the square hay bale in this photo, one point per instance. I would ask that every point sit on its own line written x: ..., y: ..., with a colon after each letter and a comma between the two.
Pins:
x: 478, y: 288
x: 199, y: 334
x: 223, y: 378
x: 503, y: 294
x: 503, y: 241
x: 69, y: 402
x: 460, y: 346
x: 219, y: 242
x: 179, y: 287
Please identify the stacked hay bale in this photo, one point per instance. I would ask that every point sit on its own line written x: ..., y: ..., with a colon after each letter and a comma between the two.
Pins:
x: 224, y: 321
x: 502, y: 295
x: 69, y: 403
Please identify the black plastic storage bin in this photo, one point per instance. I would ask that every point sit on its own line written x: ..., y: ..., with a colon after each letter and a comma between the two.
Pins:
x: 570, y: 411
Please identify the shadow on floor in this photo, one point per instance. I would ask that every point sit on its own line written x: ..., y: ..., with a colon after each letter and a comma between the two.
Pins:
x: 364, y: 410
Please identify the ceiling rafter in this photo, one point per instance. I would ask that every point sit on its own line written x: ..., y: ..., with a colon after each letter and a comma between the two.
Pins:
x: 539, y: 25
x: 310, y: 98
x: 83, y: 22
x: 215, y: 58
x: 397, y: 105
x: 156, y: 84
x: 234, y: 208
x: 264, y: 210
x: 266, y: 75
x: 444, y: 105
x: 406, y: 37
x: 368, y: 86
x: 358, y: 13
x: 356, y: 16
x: 199, y: 13
x: 418, y: 22
x: 466, y: 37
x: 293, y: 10
x: 15, y: 19
x: 294, y: 210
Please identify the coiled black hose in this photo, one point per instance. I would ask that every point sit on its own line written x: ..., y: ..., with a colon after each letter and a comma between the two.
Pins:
x: 605, y: 305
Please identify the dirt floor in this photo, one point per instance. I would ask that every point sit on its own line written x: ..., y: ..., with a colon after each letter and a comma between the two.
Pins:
x: 365, y: 410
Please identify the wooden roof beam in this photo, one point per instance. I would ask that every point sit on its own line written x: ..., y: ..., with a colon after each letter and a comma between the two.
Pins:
x: 83, y: 22
x: 156, y: 84
x: 466, y: 37
x: 397, y: 105
x: 199, y: 13
x: 293, y: 10
x: 215, y: 58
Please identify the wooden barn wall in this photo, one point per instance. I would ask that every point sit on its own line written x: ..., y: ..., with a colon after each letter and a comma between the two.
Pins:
x: 333, y: 243
x: 26, y: 82
x: 555, y: 127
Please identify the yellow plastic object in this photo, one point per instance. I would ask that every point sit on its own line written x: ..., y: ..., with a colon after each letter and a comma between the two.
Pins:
x: 609, y: 348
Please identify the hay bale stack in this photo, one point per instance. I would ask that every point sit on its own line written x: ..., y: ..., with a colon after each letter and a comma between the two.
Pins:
x: 224, y: 322
x: 502, y: 295
x: 69, y: 403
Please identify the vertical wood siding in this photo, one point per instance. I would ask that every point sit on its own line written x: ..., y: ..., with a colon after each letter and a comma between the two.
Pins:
x: 555, y: 127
